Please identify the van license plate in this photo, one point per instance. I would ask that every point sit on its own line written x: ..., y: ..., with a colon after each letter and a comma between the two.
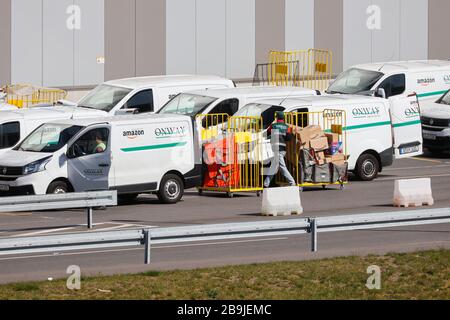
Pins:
x: 429, y: 136
x: 4, y: 187
x: 409, y: 150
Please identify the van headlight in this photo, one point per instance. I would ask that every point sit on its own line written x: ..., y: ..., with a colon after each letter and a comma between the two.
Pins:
x: 36, y: 166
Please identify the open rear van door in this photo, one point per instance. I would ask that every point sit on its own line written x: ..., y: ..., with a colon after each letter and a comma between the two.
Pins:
x: 406, y: 126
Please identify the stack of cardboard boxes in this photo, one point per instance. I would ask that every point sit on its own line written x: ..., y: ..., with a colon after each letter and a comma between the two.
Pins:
x: 322, y: 158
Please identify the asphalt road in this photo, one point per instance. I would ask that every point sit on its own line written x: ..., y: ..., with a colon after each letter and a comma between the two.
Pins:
x: 358, y: 197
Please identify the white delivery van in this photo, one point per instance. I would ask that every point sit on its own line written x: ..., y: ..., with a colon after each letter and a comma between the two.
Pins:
x: 146, y: 94
x: 436, y: 124
x: 377, y: 130
x: 130, y: 154
x: 429, y: 79
x: 134, y: 95
x: 228, y: 101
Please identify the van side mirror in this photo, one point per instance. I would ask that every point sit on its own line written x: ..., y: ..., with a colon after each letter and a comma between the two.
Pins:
x: 381, y: 93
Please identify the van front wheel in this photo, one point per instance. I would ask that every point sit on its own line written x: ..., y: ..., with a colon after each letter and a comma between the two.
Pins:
x: 171, y: 189
x: 367, y: 167
x: 58, y: 187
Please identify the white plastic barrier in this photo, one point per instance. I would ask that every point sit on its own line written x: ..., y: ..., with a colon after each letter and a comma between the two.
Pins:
x: 281, y: 202
x: 413, y: 193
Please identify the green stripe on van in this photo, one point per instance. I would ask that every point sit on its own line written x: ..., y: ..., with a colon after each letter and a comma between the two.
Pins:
x: 155, y: 147
x: 405, y: 124
x: 378, y: 124
x: 429, y: 94
x: 368, y: 125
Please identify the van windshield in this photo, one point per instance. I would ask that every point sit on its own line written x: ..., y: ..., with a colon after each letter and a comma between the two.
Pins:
x: 445, y: 99
x: 104, y: 97
x: 267, y: 112
x: 187, y: 104
x: 49, y: 138
x: 355, y: 81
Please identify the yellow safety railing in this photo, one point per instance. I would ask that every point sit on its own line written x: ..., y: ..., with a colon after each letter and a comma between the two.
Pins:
x: 330, y: 121
x: 24, y: 96
x: 312, y: 68
x: 235, y: 155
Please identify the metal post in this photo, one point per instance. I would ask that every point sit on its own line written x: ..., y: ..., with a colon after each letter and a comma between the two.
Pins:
x: 313, y: 223
x: 147, y: 246
x: 89, y: 218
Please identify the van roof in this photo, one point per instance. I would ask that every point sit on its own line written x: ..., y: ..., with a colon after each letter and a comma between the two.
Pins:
x: 335, y: 99
x: 404, y: 66
x: 33, y: 113
x: 255, y: 92
x: 164, y: 81
x: 124, y: 119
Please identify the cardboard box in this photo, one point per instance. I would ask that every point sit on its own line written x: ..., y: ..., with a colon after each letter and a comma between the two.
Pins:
x: 333, y: 138
x: 338, y: 157
x: 314, y: 132
x: 336, y: 128
x: 319, y: 144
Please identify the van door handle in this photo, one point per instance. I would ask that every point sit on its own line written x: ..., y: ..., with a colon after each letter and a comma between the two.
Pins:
x: 103, y: 165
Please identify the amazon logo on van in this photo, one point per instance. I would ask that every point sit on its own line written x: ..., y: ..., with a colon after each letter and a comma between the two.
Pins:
x: 366, y: 112
x: 133, y: 134
x: 170, y: 132
x: 426, y: 81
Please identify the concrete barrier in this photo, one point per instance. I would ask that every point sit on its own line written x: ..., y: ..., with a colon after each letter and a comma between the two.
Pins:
x: 413, y: 193
x: 281, y: 202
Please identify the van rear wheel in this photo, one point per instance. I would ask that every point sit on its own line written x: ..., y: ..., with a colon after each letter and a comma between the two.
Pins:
x: 58, y: 187
x: 171, y: 189
x: 367, y: 167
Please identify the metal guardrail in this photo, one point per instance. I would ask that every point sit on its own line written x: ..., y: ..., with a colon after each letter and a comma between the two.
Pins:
x: 88, y: 200
x: 149, y: 237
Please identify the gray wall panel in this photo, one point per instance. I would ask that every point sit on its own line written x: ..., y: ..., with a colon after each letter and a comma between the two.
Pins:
x: 57, y: 44
x: 26, y: 44
x: 180, y: 36
x: 150, y: 37
x: 357, y: 41
x: 89, y: 43
x: 328, y: 28
x: 439, y: 48
x: 270, y: 28
x: 299, y: 24
x: 386, y: 42
x: 240, y: 33
x: 413, y: 29
x: 5, y: 40
x: 211, y: 37
x: 120, y: 39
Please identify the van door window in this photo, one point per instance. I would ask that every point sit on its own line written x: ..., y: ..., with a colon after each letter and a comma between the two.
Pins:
x: 229, y: 107
x: 93, y: 142
x: 394, y: 85
x: 9, y: 134
x: 142, y: 101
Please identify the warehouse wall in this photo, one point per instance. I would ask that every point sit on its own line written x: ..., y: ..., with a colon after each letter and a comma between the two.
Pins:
x: 127, y: 38
x: 5, y: 40
x: 401, y: 32
x: 57, y: 42
x: 439, y: 46
x: 328, y: 29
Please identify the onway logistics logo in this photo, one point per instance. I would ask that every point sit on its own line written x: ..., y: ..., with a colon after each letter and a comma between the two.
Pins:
x: 170, y: 132
x: 365, y: 112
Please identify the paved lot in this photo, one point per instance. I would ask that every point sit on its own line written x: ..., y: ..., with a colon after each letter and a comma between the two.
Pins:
x: 358, y: 197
